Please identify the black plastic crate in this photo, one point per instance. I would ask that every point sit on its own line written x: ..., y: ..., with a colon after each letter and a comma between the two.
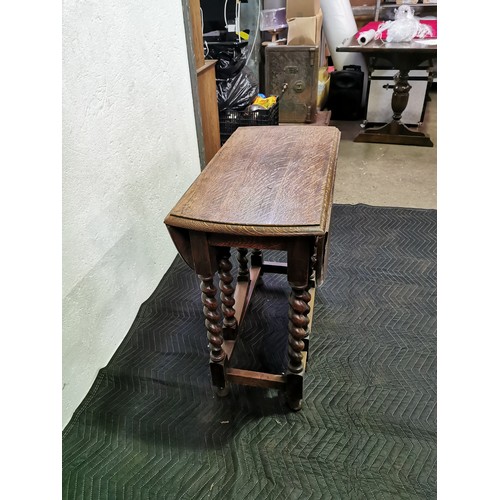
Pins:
x: 230, y: 120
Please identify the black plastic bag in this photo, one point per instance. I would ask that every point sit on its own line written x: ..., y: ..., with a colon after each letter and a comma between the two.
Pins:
x: 230, y: 60
x: 237, y: 92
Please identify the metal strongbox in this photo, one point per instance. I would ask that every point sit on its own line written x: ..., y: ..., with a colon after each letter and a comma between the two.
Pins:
x: 380, y: 89
x: 297, y: 66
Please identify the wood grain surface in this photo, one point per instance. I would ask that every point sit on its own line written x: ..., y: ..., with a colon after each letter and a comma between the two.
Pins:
x: 195, y: 14
x: 264, y: 181
x: 207, y: 92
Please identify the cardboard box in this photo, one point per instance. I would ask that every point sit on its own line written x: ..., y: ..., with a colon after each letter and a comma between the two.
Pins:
x: 302, y: 8
x: 305, y: 30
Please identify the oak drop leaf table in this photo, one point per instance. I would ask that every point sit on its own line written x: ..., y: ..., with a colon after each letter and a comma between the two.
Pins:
x: 267, y: 188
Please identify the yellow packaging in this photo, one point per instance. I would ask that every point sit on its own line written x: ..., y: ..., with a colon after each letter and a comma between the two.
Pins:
x: 323, y: 87
x: 267, y: 102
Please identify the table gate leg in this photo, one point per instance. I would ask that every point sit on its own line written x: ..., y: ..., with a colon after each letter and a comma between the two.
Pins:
x: 214, y: 330
x: 297, y: 331
x: 229, y: 325
x: 313, y: 262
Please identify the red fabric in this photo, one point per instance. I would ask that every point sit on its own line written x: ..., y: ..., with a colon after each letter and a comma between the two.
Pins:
x: 375, y: 24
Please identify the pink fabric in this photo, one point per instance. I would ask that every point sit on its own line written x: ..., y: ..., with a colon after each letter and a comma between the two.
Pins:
x: 373, y: 25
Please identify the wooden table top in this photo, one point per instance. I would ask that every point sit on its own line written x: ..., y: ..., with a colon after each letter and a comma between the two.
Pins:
x: 264, y: 181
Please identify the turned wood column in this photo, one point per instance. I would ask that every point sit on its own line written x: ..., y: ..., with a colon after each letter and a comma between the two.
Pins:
x: 299, y: 275
x: 297, y: 326
x: 400, y: 94
x: 212, y: 318
x: 243, y: 272
x: 205, y: 264
x: 214, y: 329
x: 229, y: 325
x: 313, y: 263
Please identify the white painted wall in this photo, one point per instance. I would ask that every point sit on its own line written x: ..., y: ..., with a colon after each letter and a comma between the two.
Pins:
x: 129, y: 152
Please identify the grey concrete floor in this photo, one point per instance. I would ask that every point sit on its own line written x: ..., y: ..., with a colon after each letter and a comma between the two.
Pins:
x: 387, y: 174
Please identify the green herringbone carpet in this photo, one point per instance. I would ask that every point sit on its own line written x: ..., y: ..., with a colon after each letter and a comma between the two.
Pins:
x: 151, y: 428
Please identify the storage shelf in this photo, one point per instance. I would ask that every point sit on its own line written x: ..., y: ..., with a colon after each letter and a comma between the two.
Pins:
x: 374, y: 10
x: 390, y: 5
x: 364, y: 10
